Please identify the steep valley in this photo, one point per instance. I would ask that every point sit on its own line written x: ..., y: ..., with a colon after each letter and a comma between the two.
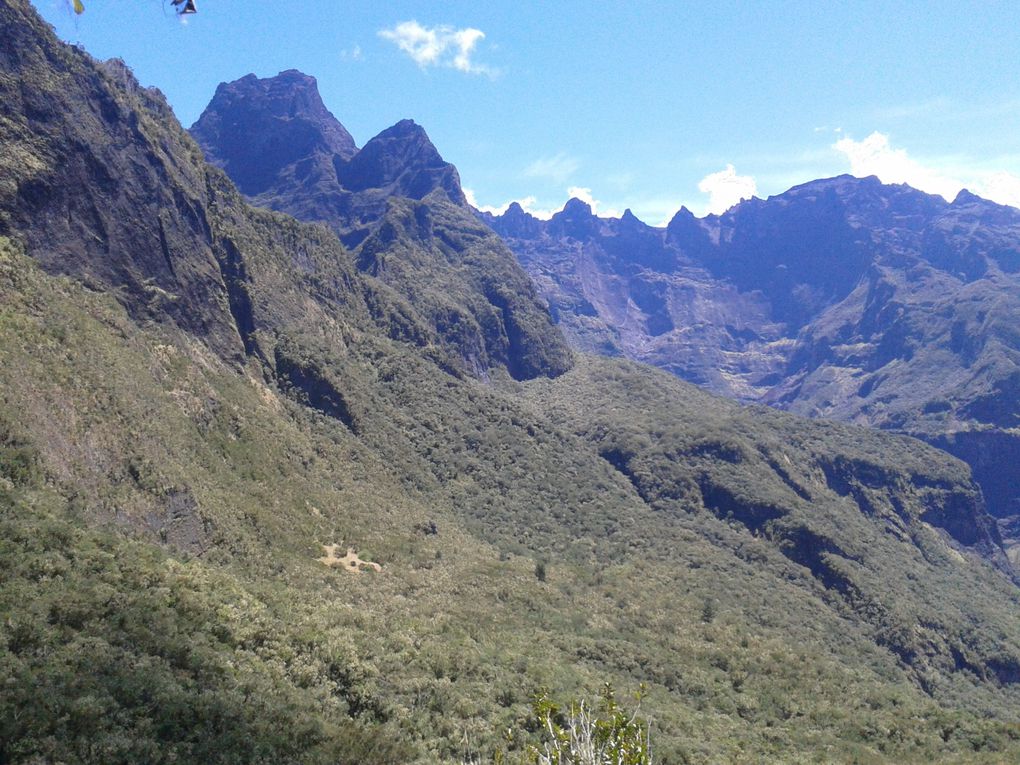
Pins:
x: 842, y: 298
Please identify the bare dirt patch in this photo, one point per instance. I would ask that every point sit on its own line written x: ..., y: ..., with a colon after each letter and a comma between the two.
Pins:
x: 350, y: 562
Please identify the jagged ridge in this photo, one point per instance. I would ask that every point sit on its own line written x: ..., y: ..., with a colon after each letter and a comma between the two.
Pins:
x: 461, y: 279
x: 842, y: 298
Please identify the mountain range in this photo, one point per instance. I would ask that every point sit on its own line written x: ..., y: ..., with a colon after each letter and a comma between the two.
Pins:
x: 843, y: 298
x: 203, y: 400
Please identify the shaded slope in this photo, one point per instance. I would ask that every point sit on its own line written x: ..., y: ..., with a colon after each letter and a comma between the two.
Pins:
x: 87, y: 152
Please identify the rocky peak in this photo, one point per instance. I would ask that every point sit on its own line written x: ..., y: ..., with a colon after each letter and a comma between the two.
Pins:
x: 687, y: 234
x: 965, y: 196
x: 682, y: 218
x: 985, y: 211
x: 866, y: 200
x: 283, y: 149
x: 576, y: 208
x: 515, y: 223
x: 404, y: 162
x: 630, y: 219
x: 258, y: 129
x: 407, y: 129
x: 575, y: 220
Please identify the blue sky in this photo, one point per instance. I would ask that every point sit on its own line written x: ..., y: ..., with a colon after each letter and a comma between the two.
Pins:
x: 646, y: 105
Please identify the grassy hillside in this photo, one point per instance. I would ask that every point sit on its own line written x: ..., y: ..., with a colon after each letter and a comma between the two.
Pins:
x: 786, y: 591
x: 167, y: 510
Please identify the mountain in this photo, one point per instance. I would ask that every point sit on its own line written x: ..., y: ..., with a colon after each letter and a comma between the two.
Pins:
x: 399, y: 206
x: 286, y: 151
x: 202, y: 403
x: 291, y: 138
x: 843, y: 298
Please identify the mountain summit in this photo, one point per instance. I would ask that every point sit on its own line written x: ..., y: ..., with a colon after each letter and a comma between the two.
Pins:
x: 284, y: 149
x: 400, y: 207
x: 401, y: 161
x: 259, y: 130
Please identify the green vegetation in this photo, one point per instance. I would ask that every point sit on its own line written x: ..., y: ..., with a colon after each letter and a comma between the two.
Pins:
x: 177, y: 447
x: 115, y: 653
x: 580, y: 735
x: 462, y: 281
x: 118, y: 424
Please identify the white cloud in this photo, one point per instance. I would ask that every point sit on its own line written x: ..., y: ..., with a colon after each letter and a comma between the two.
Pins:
x: 469, y: 195
x: 440, y: 45
x: 529, y: 204
x: 557, y: 168
x: 876, y: 156
x: 726, y: 188
x: 585, y: 195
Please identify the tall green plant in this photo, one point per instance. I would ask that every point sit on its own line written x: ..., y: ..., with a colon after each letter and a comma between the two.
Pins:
x: 582, y: 735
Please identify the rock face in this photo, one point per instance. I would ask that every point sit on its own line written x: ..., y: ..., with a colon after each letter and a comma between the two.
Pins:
x: 399, y: 205
x: 86, y: 150
x: 401, y: 161
x: 286, y: 151
x: 272, y: 131
x: 842, y: 298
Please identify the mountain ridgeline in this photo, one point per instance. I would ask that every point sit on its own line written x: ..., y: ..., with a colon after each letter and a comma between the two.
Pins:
x: 842, y: 298
x: 202, y: 400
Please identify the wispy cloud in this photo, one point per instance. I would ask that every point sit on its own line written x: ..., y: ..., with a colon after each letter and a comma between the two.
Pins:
x: 726, y: 189
x: 352, y: 54
x: 441, y: 46
x: 557, y: 168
